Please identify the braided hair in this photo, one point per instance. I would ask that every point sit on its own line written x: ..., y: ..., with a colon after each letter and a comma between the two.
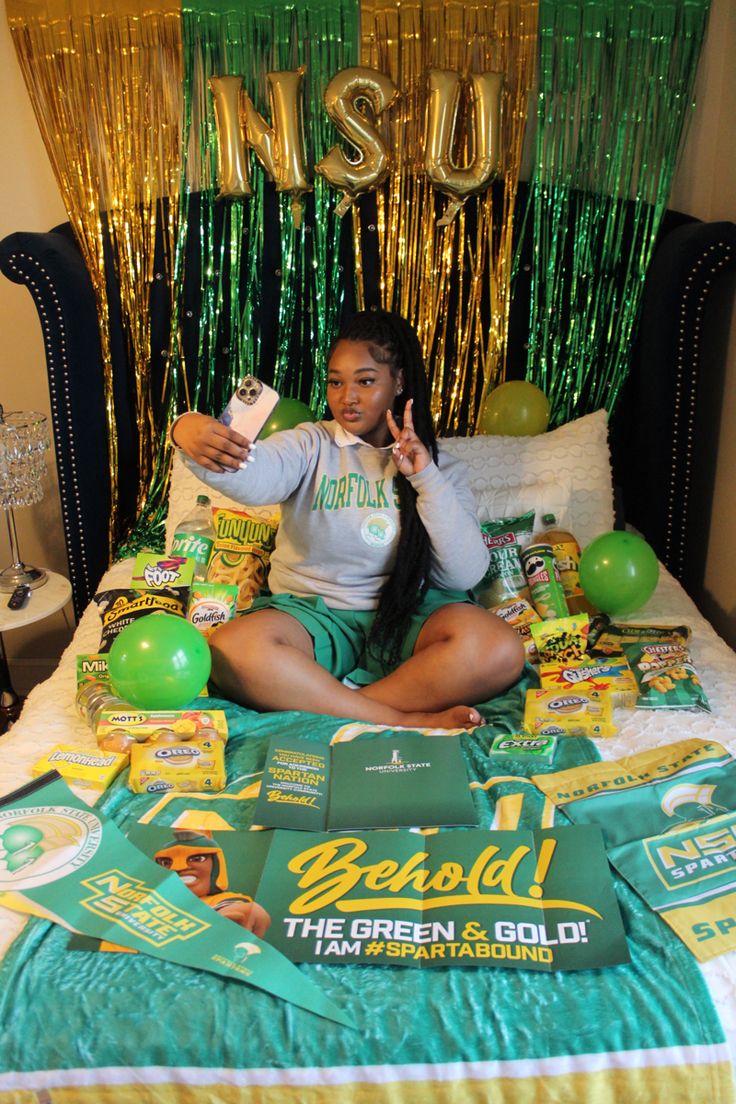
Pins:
x: 393, y: 341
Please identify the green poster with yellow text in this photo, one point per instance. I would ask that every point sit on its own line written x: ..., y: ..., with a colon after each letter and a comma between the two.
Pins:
x: 540, y: 900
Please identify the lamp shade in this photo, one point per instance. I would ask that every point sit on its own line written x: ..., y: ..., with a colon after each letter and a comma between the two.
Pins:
x: 24, y: 441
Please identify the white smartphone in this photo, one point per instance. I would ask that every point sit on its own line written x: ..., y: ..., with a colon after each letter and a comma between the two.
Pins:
x: 250, y: 407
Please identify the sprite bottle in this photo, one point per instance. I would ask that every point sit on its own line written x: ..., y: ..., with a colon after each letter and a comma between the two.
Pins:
x: 194, y: 537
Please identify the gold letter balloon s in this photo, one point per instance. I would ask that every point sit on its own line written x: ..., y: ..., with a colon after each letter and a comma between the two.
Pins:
x: 442, y: 113
x: 342, y: 96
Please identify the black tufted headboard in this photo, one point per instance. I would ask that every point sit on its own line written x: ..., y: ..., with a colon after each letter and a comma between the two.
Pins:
x: 662, y: 437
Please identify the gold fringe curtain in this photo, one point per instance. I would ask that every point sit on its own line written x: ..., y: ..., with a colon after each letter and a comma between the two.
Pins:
x: 452, y: 282
x: 105, y: 85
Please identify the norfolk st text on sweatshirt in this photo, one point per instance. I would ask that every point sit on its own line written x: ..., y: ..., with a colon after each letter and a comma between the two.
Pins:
x: 339, y: 526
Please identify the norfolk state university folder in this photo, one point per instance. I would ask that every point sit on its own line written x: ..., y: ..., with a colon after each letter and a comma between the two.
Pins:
x: 391, y: 780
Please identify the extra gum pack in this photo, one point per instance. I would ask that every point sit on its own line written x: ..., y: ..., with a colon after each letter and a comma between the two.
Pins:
x: 521, y: 743
x: 192, y: 767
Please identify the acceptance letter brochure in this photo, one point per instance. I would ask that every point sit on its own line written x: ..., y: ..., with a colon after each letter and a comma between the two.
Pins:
x: 392, y: 780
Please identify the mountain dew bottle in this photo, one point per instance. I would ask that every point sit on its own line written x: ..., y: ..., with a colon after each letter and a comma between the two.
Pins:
x: 194, y: 537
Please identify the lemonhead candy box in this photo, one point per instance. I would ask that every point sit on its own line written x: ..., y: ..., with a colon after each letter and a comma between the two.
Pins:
x: 92, y: 769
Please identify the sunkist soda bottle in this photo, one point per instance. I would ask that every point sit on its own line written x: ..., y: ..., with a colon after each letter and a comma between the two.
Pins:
x: 567, y: 557
x: 194, y: 537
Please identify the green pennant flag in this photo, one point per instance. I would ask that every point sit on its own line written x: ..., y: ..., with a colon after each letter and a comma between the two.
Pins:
x: 62, y: 860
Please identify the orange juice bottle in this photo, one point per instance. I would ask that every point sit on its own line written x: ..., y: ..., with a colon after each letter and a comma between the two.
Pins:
x: 567, y: 557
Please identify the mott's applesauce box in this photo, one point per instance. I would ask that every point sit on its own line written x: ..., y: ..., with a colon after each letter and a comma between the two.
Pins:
x: 615, y: 676
x: 192, y: 767
x: 93, y: 770
x: 568, y: 713
x: 118, y: 729
x: 520, y: 743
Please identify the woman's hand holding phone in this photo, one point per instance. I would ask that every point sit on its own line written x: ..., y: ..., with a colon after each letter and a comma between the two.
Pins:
x: 210, y: 443
x: 226, y: 443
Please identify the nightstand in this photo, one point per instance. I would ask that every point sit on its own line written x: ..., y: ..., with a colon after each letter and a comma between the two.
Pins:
x: 44, y: 600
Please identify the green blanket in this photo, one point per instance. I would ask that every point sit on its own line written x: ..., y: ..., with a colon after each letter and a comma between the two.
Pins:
x: 88, y: 1027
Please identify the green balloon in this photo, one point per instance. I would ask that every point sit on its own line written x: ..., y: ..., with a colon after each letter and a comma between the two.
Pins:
x: 286, y: 414
x: 515, y: 409
x: 159, y: 662
x: 618, y: 572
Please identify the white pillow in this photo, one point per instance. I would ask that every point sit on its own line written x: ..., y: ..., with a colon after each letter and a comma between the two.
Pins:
x: 565, y: 472
x: 183, y: 494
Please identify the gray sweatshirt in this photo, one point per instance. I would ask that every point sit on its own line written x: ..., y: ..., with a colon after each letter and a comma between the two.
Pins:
x: 339, y: 526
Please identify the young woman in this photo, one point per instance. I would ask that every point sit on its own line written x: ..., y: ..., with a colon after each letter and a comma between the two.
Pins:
x: 377, y: 548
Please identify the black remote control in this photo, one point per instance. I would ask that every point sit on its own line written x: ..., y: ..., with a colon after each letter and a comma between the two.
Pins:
x: 19, y: 597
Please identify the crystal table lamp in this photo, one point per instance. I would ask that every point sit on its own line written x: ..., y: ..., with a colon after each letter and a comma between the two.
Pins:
x: 23, y: 444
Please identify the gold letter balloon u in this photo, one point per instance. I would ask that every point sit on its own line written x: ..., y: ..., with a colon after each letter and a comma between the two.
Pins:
x: 444, y: 89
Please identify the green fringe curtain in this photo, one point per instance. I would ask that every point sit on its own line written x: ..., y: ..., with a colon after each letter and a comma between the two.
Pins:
x: 223, y: 239
x: 615, y: 95
x: 119, y: 89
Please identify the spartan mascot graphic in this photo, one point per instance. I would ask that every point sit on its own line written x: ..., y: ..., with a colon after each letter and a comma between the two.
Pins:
x: 40, y: 845
x: 200, y: 863
x: 689, y: 801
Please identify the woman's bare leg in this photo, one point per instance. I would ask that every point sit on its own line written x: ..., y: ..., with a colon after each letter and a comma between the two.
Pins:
x: 266, y: 661
x: 462, y: 653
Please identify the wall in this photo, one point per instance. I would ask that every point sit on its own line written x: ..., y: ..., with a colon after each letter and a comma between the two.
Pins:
x: 29, y: 200
x: 705, y: 186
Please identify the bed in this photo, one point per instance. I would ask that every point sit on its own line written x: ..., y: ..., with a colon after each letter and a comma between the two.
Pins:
x: 79, y: 1026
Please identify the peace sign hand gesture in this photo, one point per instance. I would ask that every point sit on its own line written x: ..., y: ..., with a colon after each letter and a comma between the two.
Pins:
x: 410, y: 455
